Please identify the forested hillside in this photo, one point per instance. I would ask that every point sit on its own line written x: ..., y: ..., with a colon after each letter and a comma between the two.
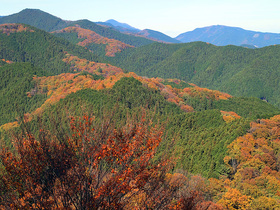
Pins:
x: 92, y: 41
x: 22, y: 43
x: 16, y: 81
x: 236, y: 70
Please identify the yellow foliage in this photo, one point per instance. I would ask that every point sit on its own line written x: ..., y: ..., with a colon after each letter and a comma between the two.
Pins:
x: 265, y: 203
x: 229, y: 116
x: 9, y: 126
x: 233, y: 199
x: 256, y: 174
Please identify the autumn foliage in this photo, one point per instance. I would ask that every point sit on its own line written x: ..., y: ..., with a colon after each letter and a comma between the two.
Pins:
x: 59, y: 86
x: 229, y: 116
x: 253, y: 162
x: 13, y: 28
x: 112, y: 46
x: 198, y: 91
x: 95, y: 167
x: 7, y: 61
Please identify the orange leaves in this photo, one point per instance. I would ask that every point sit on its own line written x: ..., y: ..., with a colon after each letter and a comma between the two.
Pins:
x: 59, y: 86
x: 7, y: 61
x: 26, y: 172
x: 96, y: 166
x: 79, y: 64
x: 176, y: 96
x: 112, y: 46
x: 95, y: 161
x: 199, y: 92
x: 13, y: 28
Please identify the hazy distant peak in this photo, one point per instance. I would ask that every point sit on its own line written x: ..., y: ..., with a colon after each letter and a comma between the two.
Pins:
x: 219, y: 27
x: 123, y: 25
x: 157, y: 36
x: 226, y: 35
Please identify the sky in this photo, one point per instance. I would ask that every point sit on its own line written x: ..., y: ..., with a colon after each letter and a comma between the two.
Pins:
x: 171, y: 17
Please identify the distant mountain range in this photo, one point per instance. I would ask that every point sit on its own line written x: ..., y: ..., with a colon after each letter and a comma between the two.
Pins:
x: 224, y: 35
x: 218, y: 35
x: 49, y: 23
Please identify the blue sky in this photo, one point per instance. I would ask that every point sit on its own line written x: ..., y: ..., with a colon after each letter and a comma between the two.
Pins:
x: 171, y: 17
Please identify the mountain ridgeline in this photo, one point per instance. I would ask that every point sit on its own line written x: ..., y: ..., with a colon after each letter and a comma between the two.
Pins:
x: 148, y: 33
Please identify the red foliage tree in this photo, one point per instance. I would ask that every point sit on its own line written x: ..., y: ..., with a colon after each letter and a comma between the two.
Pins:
x: 96, y: 167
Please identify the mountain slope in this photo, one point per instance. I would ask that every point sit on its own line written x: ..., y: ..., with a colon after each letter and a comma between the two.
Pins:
x: 16, y: 81
x: 224, y: 35
x: 23, y: 43
x: 77, y: 94
x: 236, y: 70
x: 89, y: 39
